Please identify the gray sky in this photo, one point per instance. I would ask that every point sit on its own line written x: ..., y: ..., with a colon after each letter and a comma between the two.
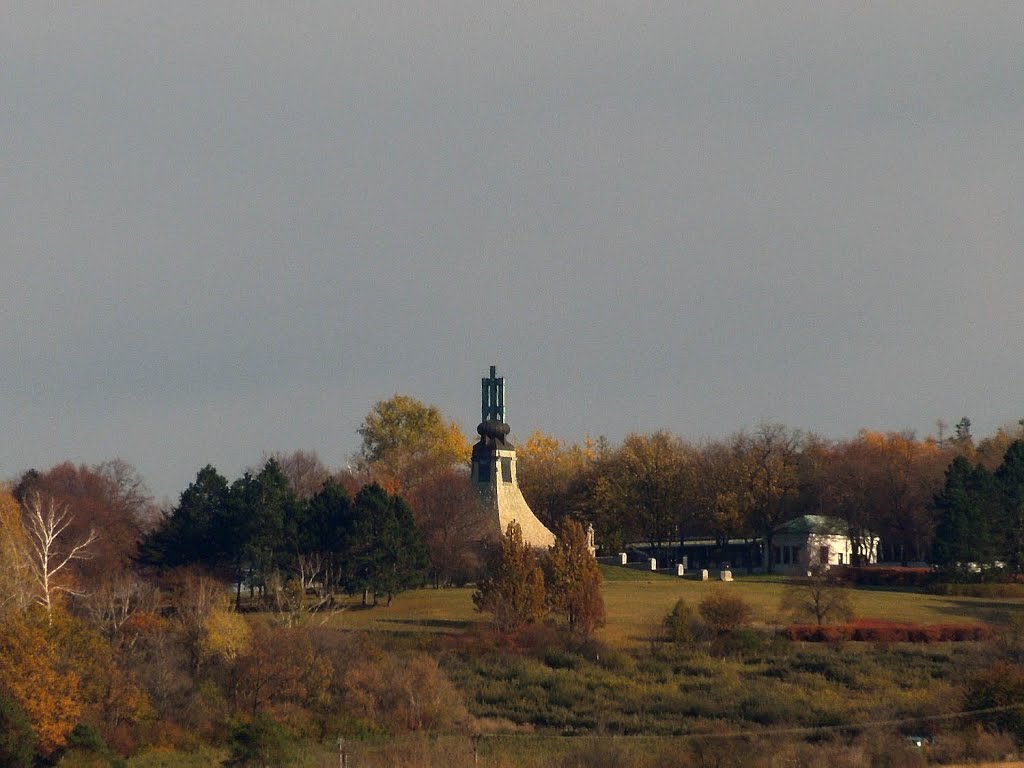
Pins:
x: 230, y: 231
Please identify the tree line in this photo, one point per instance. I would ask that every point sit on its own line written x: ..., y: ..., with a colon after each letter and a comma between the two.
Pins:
x: 660, y: 488
x: 258, y: 533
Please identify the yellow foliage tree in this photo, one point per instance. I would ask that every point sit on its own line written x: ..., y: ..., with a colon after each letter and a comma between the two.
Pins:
x: 406, y: 441
x: 225, y: 636
x: 552, y: 474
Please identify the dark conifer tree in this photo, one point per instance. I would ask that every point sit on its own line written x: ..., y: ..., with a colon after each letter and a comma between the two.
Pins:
x: 966, y: 512
x: 197, y: 530
x: 1010, y: 479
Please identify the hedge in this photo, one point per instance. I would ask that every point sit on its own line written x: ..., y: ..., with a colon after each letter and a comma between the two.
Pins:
x: 872, y: 630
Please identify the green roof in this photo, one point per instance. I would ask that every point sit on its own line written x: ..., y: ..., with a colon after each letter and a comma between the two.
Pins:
x: 815, y: 524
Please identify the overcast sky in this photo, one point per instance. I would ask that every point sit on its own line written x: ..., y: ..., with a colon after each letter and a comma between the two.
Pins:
x: 228, y: 231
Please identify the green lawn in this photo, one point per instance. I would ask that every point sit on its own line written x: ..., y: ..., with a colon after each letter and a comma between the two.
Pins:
x: 637, y: 602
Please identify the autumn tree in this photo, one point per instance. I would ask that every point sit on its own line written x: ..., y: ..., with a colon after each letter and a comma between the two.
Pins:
x: 553, y: 475
x: 573, y: 580
x: 649, y: 480
x: 15, y: 578
x: 718, y: 490
x: 907, y: 474
x: 112, y: 606
x: 128, y: 493
x: 305, y: 472
x: 850, y: 492
x: 108, y: 693
x: 279, y: 673
x: 404, y: 441
x: 110, y: 497
x: 448, y: 510
x: 768, y: 461
x: 992, y: 449
x: 513, y: 588
x: 194, y: 598
x: 34, y: 675
x: 407, y: 692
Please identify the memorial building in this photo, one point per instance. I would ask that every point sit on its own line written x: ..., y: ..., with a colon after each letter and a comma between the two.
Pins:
x: 494, y: 469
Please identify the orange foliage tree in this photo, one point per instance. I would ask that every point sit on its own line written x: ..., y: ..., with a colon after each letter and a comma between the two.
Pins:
x: 279, y: 673
x: 513, y: 589
x: 573, y: 580
x: 33, y: 671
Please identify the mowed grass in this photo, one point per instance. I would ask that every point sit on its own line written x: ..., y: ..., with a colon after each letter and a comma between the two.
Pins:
x: 637, y: 602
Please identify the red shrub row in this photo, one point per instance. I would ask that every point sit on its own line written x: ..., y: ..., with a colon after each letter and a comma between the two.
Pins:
x: 893, y: 576
x: 870, y: 630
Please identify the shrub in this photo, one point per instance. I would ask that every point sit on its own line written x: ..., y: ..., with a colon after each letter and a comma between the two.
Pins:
x: 86, y: 747
x: 595, y: 754
x: 409, y: 693
x: 987, y: 589
x: 999, y: 687
x: 1011, y: 638
x: 901, y: 577
x: 257, y: 743
x: 17, y: 741
x: 724, y: 612
x: 617, y: 661
x: 679, y: 623
x: 557, y: 659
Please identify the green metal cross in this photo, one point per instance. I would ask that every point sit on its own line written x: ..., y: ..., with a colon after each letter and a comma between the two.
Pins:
x: 492, y: 397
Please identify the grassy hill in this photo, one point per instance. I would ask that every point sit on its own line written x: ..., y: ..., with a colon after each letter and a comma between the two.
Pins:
x: 629, y: 698
x: 637, y: 602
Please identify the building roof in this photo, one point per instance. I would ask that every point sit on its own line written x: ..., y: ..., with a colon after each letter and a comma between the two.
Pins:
x: 819, y: 524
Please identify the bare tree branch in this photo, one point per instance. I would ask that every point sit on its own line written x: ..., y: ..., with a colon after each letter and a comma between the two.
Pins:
x: 45, y: 524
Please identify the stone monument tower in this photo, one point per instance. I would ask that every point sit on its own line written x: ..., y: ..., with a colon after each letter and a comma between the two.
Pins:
x: 494, y: 468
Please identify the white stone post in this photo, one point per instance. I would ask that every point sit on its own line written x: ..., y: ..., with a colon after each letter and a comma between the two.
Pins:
x: 680, y: 569
x: 622, y: 558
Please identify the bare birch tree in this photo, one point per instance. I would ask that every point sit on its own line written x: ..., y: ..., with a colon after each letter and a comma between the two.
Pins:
x: 49, y: 555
